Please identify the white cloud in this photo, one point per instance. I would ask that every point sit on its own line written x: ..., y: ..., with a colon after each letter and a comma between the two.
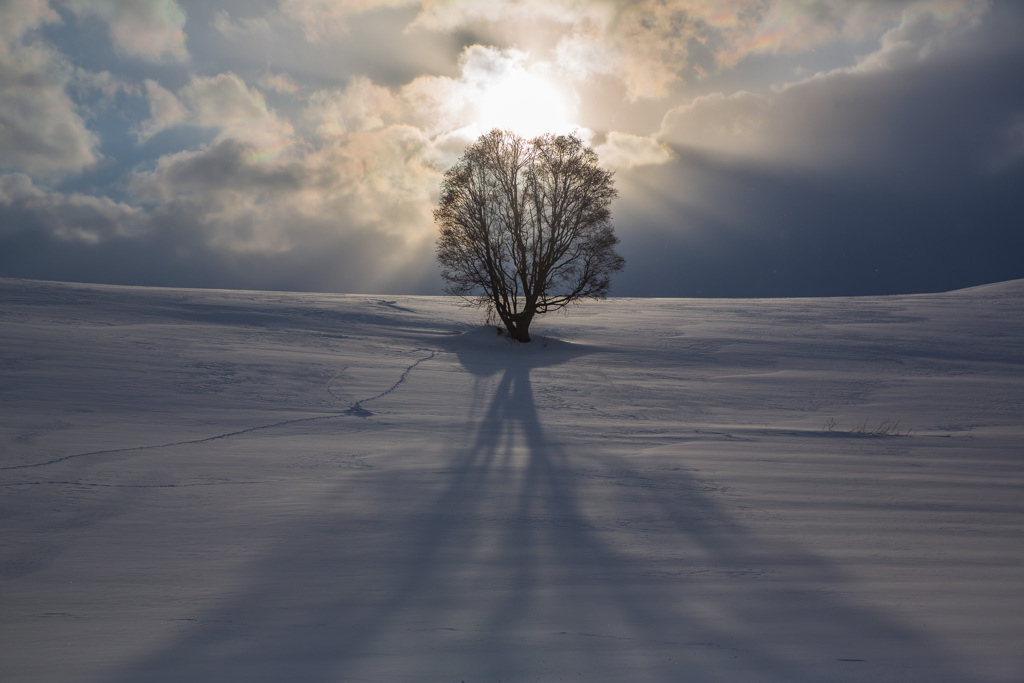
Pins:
x: 923, y: 28
x: 281, y: 83
x: 625, y: 150
x: 371, y: 161
x: 360, y: 106
x: 149, y: 29
x: 495, y: 88
x: 322, y: 19
x: 652, y: 46
x: 223, y: 102
x: 41, y: 130
x: 731, y: 124
x: 165, y: 111
x: 252, y: 28
x: 18, y: 17
x: 365, y: 198
x: 448, y: 15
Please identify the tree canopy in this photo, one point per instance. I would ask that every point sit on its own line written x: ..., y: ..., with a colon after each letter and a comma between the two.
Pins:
x: 525, y: 226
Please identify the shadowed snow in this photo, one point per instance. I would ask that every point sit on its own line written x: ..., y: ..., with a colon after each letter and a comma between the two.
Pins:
x: 207, y: 485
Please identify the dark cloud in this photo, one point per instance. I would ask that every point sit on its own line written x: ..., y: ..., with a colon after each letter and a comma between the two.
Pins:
x: 71, y: 218
x: 176, y: 245
x: 787, y: 234
x: 857, y: 182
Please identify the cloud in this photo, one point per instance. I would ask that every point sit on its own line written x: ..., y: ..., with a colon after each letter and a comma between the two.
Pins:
x: 895, y: 178
x: 41, y: 130
x: 366, y: 176
x: 259, y: 188
x: 729, y: 124
x: 326, y: 127
x: 148, y: 29
x: 643, y: 43
x: 923, y: 29
x: 625, y: 150
x: 68, y: 217
x: 165, y: 111
x: 280, y: 83
x: 252, y: 28
x: 841, y: 123
x: 367, y: 183
x: 445, y: 15
x: 223, y: 102
x: 362, y: 105
x: 646, y: 44
x: 653, y: 46
x: 363, y: 169
x: 495, y: 88
x: 181, y: 243
x: 18, y: 17
x: 896, y: 113
x: 226, y: 167
x: 322, y: 19
x: 353, y: 214
x: 364, y: 166
x: 371, y: 177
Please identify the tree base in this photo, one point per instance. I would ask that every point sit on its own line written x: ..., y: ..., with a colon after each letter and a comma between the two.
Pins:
x: 515, y: 334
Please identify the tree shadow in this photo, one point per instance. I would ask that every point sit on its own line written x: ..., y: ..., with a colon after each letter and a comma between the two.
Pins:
x: 533, y: 554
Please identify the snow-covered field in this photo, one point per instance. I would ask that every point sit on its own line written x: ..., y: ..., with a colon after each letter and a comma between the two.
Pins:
x: 243, y: 486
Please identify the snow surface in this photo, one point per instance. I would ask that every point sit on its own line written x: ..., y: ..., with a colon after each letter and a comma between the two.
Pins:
x: 213, y: 485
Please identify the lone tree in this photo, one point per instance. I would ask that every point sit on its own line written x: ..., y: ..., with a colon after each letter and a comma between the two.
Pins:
x: 526, y: 226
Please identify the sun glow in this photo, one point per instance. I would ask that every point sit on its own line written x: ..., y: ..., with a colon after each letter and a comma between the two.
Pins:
x: 526, y: 103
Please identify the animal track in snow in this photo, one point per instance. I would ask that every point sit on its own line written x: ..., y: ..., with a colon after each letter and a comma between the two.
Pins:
x: 357, y: 407
x: 354, y: 409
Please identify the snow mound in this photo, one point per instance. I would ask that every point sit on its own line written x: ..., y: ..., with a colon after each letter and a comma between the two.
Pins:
x: 490, y: 337
x: 486, y: 350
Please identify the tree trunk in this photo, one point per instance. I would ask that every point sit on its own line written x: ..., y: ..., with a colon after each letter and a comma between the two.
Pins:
x: 518, y: 326
x: 522, y: 332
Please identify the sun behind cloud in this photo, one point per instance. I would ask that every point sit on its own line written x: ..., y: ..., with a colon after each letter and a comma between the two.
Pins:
x: 512, y: 94
x: 526, y: 104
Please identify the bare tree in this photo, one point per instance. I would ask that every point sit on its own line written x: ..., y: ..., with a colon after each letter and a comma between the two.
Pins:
x: 526, y: 226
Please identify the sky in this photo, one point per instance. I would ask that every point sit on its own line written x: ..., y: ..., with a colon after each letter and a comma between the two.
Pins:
x: 760, y: 147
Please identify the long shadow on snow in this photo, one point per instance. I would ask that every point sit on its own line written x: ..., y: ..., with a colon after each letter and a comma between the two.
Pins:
x: 531, y: 558
x: 572, y: 574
